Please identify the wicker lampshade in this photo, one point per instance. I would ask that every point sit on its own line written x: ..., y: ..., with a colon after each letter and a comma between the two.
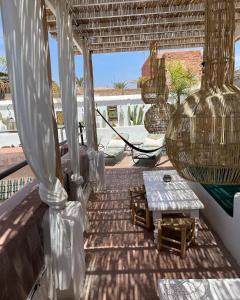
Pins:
x: 203, y: 136
x: 149, y: 87
x: 4, y: 86
x: 157, y: 118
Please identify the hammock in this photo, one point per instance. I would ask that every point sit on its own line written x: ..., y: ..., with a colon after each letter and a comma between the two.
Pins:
x: 127, y: 142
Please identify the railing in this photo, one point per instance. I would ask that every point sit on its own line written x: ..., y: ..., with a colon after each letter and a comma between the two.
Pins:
x: 11, y: 186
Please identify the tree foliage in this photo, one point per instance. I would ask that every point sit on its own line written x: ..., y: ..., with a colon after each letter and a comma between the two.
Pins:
x: 182, y: 79
x: 121, y: 85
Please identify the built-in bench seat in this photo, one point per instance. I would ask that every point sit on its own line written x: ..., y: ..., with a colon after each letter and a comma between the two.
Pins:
x: 222, y: 210
x: 224, y: 195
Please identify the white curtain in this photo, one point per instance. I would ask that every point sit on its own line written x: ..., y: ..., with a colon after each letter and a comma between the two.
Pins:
x: 96, y: 158
x: 27, y: 65
x: 68, y: 95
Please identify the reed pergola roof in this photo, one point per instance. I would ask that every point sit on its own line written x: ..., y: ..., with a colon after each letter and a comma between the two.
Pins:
x: 130, y: 25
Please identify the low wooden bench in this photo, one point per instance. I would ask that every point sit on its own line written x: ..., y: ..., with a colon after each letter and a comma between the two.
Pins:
x: 197, y: 289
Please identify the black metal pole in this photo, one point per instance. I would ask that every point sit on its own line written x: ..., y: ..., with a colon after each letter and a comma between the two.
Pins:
x: 81, y: 132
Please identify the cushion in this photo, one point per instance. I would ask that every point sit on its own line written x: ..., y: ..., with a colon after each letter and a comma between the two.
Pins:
x: 116, y: 143
x: 224, y: 195
x: 154, y: 141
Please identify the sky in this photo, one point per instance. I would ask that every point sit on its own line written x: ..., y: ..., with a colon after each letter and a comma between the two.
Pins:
x: 107, y: 68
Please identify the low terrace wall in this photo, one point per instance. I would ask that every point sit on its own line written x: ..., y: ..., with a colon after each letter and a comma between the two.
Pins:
x: 227, y: 227
x: 21, y: 242
x: 21, y: 235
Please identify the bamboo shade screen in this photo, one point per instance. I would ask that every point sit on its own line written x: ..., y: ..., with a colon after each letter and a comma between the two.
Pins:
x: 157, y: 117
x: 203, y: 136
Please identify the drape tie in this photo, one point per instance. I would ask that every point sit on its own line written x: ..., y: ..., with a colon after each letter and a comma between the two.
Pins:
x: 54, y: 196
x: 92, y: 164
x: 63, y: 227
x: 77, y: 181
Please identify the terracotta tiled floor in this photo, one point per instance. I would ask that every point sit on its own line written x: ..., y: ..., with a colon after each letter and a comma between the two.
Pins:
x: 122, y: 260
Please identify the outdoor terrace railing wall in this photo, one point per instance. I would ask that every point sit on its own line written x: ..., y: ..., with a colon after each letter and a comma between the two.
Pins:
x: 11, y: 186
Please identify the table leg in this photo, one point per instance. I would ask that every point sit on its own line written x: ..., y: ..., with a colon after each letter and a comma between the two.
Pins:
x: 157, y: 215
x: 195, y: 214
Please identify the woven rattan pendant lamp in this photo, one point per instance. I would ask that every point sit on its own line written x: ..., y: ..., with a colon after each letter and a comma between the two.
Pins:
x: 158, y: 115
x: 203, y: 136
x: 149, y: 87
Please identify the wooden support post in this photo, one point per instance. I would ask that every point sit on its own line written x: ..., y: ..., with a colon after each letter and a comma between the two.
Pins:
x: 89, y: 104
x: 59, y: 174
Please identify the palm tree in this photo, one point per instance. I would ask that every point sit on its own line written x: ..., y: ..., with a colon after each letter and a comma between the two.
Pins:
x: 79, y: 82
x: 121, y: 85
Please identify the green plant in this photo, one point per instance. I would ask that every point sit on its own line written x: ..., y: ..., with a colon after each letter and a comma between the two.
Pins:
x: 79, y: 82
x: 182, y: 79
x: 120, y: 85
x: 135, y: 115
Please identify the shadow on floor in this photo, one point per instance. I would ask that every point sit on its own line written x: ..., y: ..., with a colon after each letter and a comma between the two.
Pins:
x: 122, y: 260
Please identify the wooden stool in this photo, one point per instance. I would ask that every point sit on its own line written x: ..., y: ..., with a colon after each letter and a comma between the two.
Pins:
x: 137, y: 192
x: 141, y: 215
x: 176, y: 234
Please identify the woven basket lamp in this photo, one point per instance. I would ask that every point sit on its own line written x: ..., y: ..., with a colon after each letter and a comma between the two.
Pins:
x: 149, y: 87
x: 203, y: 136
x: 157, y: 117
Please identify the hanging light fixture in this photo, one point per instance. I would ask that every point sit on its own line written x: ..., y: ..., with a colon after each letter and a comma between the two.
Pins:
x: 157, y: 117
x: 203, y: 136
x: 149, y: 87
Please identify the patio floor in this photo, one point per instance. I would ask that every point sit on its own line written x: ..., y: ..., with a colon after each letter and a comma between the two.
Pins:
x: 122, y: 260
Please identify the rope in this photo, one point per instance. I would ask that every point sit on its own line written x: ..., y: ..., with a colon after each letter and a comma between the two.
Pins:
x: 126, y: 141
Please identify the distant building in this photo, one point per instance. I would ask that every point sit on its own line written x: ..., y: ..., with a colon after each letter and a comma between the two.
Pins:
x: 191, y: 59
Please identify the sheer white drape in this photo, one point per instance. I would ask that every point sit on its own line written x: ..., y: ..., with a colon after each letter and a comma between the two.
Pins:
x: 27, y: 66
x: 68, y: 95
x: 97, y: 164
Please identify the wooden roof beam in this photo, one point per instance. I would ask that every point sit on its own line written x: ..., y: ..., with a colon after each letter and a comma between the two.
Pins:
x: 161, y: 43
x: 148, y: 37
x: 122, y: 12
x: 138, y: 21
x: 143, y: 47
x: 93, y: 4
x: 172, y: 28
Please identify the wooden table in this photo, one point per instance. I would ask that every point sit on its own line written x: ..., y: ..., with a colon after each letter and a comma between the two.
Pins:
x: 199, y: 289
x: 172, y: 197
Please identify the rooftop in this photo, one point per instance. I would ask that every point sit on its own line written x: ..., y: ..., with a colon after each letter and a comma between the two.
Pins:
x: 130, y: 25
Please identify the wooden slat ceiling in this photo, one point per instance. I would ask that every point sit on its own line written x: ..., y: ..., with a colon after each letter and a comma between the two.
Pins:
x: 130, y: 25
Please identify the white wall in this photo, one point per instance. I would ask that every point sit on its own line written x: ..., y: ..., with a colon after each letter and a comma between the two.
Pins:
x: 122, y: 102
x: 227, y: 227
